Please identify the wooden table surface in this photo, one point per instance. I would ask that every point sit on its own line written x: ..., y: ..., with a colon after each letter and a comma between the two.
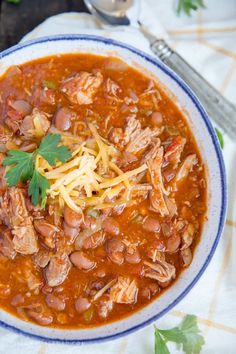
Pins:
x: 17, y: 20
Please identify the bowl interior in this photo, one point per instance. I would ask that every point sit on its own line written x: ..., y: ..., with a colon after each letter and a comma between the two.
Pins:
x: 210, y: 152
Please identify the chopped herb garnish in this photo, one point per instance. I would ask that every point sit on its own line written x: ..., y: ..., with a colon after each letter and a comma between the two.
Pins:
x: 187, y: 336
x: 50, y: 84
x: 186, y: 6
x: 220, y: 137
x: 23, y: 166
x: 15, y: 2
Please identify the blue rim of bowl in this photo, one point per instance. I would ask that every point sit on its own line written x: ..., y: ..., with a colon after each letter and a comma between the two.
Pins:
x: 204, y: 116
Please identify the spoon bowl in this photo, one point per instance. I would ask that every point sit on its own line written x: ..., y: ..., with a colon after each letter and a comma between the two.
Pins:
x: 115, y: 12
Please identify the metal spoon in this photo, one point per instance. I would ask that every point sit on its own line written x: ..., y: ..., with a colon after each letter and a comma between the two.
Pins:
x: 126, y: 13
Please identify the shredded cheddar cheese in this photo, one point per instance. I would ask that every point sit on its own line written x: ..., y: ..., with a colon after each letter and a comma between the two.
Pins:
x: 91, y: 178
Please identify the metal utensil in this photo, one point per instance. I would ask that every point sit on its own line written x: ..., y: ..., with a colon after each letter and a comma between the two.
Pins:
x: 125, y: 13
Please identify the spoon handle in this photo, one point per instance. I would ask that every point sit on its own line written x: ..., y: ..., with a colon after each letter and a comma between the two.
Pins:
x: 219, y: 109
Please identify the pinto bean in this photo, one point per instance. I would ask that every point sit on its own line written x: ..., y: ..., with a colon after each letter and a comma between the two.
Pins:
x: 133, y: 258
x: 156, y: 118
x: 17, y: 300
x: 72, y: 218
x: 81, y: 261
x: 55, y: 302
x: 115, y: 245
x: 115, y: 250
x: 70, y: 232
x: 173, y: 243
x: 111, y: 226
x: 46, y: 289
x: 151, y: 225
x: 44, y: 319
x: 62, y: 118
x: 44, y: 228
x: 95, y: 240
x: 22, y: 106
x: 150, y: 290
x: 82, y: 304
x: 167, y: 229
x: 94, y: 286
x: 89, y: 223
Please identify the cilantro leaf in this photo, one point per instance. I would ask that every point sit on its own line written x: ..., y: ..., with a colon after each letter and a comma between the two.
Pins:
x: 186, y: 6
x: 50, y: 150
x: 15, y: 2
x: 172, y: 335
x: 220, y: 137
x: 38, y: 187
x: 193, y: 341
x: 160, y: 344
x: 186, y: 335
x: 23, y: 166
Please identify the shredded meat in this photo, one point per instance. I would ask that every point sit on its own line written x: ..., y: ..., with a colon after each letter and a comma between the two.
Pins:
x: 138, y: 139
x: 33, y: 282
x: 58, y: 269
x: 139, y: 192
x: 35, y: 125
x: 161, y: 270
x: 125, y: 291
x: 6, y: 245
x: 187, y: 237
x: 174, y: 150
x: 105, y: 307
x: 14, y: 214
x: 81, y: 88
x: 187, y: 256
x: 5, y: 136
x: 186, y: 167
x: 133, y: 125
x: 153, y: 151
x: 112, y: 90
x: 41, y: 258
x: 157, y: 200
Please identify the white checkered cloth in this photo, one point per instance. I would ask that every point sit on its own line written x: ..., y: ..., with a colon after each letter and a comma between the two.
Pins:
x: 211, y: 35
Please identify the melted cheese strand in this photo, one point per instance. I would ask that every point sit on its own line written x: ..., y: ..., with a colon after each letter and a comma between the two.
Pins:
x: 102, y: 147
x: 119, y: 172
x: 114, y: 181
x: 68, y: 200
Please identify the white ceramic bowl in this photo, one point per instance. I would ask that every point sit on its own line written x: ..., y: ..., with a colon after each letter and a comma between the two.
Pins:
x: 209, y: 149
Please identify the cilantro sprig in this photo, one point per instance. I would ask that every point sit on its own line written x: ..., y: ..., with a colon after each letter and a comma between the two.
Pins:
x: 187, y: 336
x: 22, y: 166
x: 186, y: 6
